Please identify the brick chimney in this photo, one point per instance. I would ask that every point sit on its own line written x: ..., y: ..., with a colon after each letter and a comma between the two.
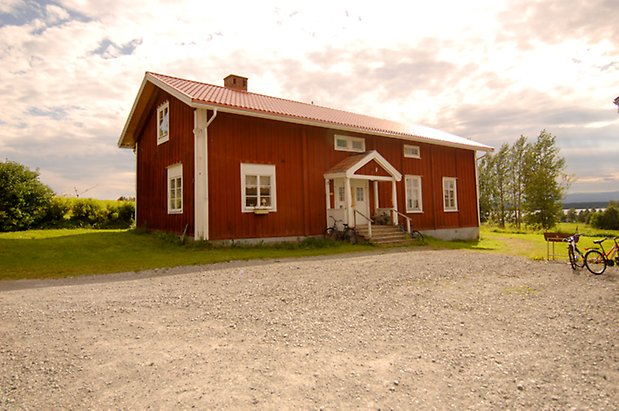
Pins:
x: 234, y: 82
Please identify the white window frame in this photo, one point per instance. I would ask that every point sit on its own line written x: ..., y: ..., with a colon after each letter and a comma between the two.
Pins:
x: 414, y: 151
x: 410, y: 194
x: 175, y: 189
x: 450, y: 194
x: 163, y: 110
x: 359, y: 194
x: 258, y: 170
x: 349, y: 141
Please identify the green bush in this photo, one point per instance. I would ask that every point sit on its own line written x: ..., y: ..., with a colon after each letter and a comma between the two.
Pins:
x: 58, y: 213
x: 23, y: 198
x: 608, y: 219
x: 88, y: 213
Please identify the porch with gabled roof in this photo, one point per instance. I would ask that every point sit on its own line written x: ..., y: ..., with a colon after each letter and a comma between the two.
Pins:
x: 353, y: 174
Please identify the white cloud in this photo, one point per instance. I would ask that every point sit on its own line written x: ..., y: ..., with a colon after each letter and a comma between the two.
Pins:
x: 9, y: 6
x: 56, y: 14
x: 476, y: 68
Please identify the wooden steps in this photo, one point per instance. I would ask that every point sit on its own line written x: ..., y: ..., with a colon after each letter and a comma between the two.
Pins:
x: 384, y: 234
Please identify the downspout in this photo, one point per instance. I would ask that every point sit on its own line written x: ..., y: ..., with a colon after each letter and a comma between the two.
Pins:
x: 206, y: 200
x: 201, y: 172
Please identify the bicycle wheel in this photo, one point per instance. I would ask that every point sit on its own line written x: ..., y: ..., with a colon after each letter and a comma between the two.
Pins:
x: 579, y: 258
x: 330, y: 234
x: 417, y: 236
x: 572, y: 257
x: 595, y: 262
x: 351, y: 236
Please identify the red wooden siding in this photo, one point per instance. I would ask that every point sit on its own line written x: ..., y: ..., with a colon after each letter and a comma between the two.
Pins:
x: 372, y: 169
x: 301, y: 155
x: 153, y: 160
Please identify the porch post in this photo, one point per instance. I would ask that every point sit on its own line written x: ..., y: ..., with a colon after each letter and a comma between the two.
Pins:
x: 375, y: 182
x: 201, y: 231
x: 328, y: 198
x: 348, y: 201
x: 394, y: 201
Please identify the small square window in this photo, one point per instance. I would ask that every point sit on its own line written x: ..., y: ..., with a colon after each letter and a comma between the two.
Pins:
x: 357, y: 145
x: 411, y: 151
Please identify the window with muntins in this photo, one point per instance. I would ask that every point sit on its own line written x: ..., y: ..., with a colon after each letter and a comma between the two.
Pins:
x: 411, y: 151
x: 348, y: 143
x: 450, y: 194
x: 414, y: 203
x: 258, y: 187
x: 163, y: 123
x: 175, y: 189
x: 359, y: 191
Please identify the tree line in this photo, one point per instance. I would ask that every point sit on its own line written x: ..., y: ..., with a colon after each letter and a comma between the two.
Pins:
x: 523, y: 183
x: 605, y: 219
x: 25, y: 203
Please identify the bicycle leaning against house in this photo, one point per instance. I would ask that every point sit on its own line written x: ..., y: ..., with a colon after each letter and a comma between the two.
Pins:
x: 348, y: 233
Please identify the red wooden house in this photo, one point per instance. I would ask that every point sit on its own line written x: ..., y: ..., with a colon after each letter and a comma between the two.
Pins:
x: 221, y: 163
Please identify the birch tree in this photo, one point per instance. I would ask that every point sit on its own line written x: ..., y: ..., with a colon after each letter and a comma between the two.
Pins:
x: 545, y: 182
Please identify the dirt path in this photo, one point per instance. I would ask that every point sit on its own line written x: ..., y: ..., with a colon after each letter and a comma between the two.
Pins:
x: 421, y: 329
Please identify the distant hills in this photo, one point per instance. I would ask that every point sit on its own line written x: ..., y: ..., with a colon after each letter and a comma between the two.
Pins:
x: 589, y: 200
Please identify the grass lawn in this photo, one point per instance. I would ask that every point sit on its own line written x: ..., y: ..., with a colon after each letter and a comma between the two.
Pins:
x: 66, y: 253
x: 531, y: 244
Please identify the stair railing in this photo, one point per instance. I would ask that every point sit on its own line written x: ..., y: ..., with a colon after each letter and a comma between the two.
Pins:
x: 408, y: 220
x: 368, y: 219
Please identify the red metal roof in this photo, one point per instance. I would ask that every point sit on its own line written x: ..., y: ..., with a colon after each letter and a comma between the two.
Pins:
x: 196, y: 93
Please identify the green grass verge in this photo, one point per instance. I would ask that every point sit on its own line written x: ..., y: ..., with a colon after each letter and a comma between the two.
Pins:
x: 66, y: 253
x: 526, y: 243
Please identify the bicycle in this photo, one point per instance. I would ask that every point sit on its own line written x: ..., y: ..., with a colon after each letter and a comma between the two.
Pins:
x: 597, y: 261
x: 347, y: 234
x: 577, y: 258
x: 414, y: 234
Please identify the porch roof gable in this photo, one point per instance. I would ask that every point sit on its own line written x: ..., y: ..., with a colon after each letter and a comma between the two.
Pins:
x: 350, y: 165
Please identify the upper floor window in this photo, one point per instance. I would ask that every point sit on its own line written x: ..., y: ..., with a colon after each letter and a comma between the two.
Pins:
x: 163, y: 123
x: 258, y: 190
x: 348, y: 143
x: 450, y: 194
x: 175, y: 189
x: 411, y: 151
x: 414, y: 203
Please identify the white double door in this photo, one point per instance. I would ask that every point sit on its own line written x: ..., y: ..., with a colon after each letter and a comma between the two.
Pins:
x: 359, y: 191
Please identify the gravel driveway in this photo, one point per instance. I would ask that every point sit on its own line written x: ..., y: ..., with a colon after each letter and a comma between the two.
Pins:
x: 402, y: 330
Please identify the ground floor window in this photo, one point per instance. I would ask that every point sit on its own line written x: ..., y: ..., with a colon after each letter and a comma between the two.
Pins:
x: 258, y: 189
x: 175, y: 189
x: 450, y: 194
x: 414, y: 203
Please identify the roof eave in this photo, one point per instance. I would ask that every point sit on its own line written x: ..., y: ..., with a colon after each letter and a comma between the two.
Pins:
x: 127, y: 139
x: 124, y: 141
x: 337, y: 126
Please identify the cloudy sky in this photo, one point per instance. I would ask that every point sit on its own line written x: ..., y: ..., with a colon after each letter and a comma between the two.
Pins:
x: 486, y: 70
